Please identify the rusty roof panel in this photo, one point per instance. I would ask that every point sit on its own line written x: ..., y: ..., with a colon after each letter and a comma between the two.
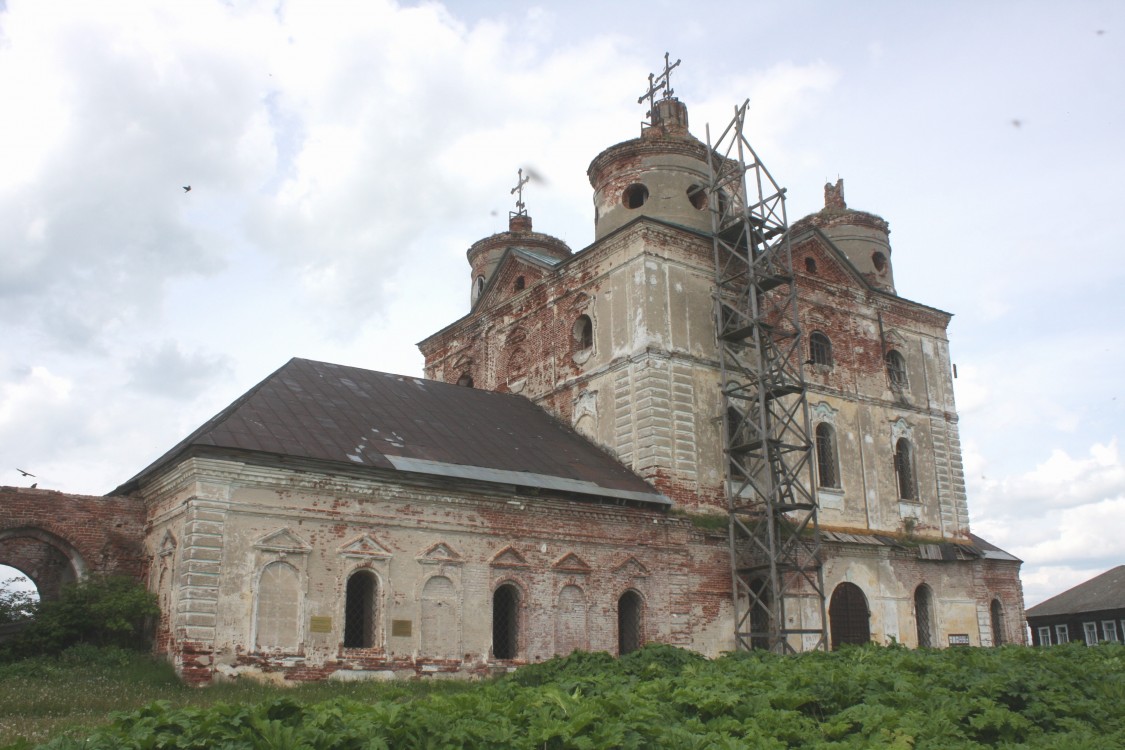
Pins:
x: 347, y: 415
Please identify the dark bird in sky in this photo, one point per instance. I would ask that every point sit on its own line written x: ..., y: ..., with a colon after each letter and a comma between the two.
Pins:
x: 25, y: 473
x: 36, y: 484
x: 1017, y: 123
x: 187, y: 188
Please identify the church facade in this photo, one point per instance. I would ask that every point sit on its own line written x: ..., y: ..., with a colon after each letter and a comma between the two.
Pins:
x: 557, y: 481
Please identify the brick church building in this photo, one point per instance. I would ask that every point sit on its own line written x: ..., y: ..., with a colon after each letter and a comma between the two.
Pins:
x: 558, y: 480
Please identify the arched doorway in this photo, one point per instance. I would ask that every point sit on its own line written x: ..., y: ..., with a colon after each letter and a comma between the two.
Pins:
x: 849, y: 617
x: 18, y: 599
x: 630, y: 622
x: 924, y: 615
x: 997, y: 616
x: 506, y: 622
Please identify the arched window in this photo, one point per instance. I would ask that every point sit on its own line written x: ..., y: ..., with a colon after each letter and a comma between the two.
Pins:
x: 520, y: 283
x: 506, y: 622
x: 478, y: 288
x: 904, y: 470
x: 997, y: 615
x: 360, y: 602
x: 570, y: 627
x: 820, y: 349
x: 278, y: 619
x: 630, y: 623
x: 583, y: 333
x: 440, y: 636
x: 466, y: 380
x: 896, y: 369
x: 849, y: 616
x: 810, y: 265
x: 827, y: 465
x: 924, y: 615
x: 879, y: 261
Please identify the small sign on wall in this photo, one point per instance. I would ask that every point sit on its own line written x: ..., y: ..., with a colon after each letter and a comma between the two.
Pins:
x: 320, y: 624
x: 401, y: 628
x: 959, y: 639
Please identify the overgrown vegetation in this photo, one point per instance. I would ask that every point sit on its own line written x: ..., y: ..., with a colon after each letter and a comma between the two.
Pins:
x: 16, y: 605
x: 100, y: 611
x: 661, y: 697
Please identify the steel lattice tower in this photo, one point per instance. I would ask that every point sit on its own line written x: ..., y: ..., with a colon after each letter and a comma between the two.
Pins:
x: 774, y: 537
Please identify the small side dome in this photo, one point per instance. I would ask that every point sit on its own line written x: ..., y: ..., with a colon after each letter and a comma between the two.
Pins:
x: 485, y: 254
x: 863, y: 237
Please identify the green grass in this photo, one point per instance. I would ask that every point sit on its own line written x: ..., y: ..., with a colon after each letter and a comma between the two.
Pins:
x: 66, y: 696
x: 1012, y: 698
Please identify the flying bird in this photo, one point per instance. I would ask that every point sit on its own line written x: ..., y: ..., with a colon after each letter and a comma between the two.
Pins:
x: 25, y: 473
x: 187, y: 188
x: 1016, y: 123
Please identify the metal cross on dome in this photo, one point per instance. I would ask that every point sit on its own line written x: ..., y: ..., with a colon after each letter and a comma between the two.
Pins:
x: 656, y: 83
x: 521, y: 210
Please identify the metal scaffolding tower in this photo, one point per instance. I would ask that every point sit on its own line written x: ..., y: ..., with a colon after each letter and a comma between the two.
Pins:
x: 774, y: 536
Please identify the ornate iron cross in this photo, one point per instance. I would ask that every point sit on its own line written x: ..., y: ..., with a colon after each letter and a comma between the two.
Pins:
x: 520, y: 209
x: 656, y: 83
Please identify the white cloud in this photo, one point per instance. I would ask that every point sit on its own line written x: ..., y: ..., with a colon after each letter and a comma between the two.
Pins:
x: 1065, y: 517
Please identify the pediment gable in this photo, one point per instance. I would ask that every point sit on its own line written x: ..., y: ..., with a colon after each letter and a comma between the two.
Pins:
x: 571, y: 563
x: 440, y: 553
x: 282, y: 540
x: 509, y: 557
x: 365, y: 546
x: 512, y: 264
x: 631, y: 567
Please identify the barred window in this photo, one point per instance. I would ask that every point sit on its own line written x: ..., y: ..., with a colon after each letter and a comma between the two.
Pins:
x: 820, y: 349
x: 359, y: 610
x: 506, y: 622
x: 848, y: 616
x: 827, y: 465
x: 996, y: 611
x: 896, y: 369
x: 904, y: 470
x: 630, y: 623
x: 924, y: 615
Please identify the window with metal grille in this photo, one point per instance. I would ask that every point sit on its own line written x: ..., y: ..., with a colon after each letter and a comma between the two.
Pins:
x: 997, y: 613
x: 904, y: 470
x: 924, y: 616
x: 820, y: 349
x: 848, y: 616
x: 827, y: 467
x: 630, y: 616
x: 506, y: 622
x: 896, y: 369
x: 359, y: 610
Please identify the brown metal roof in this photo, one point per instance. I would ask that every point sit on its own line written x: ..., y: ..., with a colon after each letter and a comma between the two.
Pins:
x: 366, y: 419
x: 1106, y: 591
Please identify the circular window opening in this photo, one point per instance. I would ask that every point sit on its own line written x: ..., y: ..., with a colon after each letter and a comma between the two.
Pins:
x: 634, y: 196
x: 810, y: 265
x: 698, y: 197
x: 879, y: 260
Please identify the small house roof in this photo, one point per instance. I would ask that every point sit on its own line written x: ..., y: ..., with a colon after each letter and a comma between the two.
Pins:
x: 1106, y: 591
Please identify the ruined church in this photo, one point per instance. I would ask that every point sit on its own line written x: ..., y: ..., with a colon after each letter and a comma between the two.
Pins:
x: 567, y: 474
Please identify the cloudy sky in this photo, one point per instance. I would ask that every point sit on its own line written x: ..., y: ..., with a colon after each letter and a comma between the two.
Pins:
x: 342, y: 156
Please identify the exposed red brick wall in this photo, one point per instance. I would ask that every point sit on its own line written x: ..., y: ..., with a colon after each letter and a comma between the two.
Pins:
x: 107, y: 533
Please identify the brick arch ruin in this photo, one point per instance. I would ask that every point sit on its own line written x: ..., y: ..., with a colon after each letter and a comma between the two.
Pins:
x: 55, y: 538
